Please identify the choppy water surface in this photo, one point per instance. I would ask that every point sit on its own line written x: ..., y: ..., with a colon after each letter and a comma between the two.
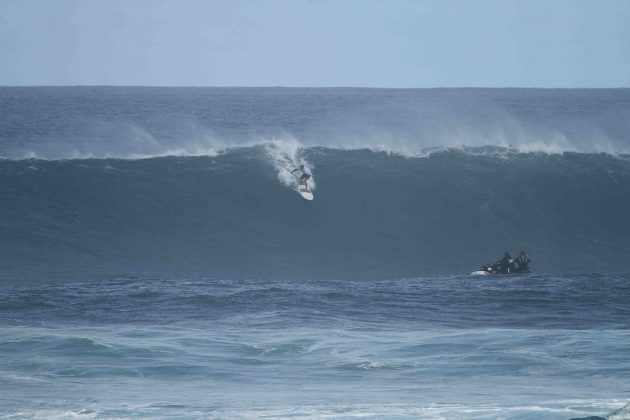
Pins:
x: 538, y: 346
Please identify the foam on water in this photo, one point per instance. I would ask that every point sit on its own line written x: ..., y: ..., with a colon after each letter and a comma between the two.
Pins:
x: 287, y: 155
x: 428, y: 348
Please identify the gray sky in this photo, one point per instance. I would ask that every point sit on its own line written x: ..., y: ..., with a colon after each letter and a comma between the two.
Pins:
x: 376, y: 43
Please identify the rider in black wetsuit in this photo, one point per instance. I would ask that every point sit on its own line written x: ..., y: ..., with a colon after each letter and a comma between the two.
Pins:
x: 521, y: 264
x: 503, y: 265
x: 304, y: 177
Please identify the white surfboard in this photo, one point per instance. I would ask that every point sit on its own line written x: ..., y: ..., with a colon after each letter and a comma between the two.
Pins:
x: 305, y: 192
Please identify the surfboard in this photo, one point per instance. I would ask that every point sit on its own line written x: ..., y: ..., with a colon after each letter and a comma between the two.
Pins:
x: 305, y: 192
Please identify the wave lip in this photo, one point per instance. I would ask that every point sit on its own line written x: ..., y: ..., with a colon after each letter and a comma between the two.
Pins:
x: 290, y: 153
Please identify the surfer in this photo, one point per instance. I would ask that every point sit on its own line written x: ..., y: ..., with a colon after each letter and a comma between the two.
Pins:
x: 304, y: 177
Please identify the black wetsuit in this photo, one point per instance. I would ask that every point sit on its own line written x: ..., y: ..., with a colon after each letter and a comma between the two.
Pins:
x: 521, y: 264
x: 503, y: 265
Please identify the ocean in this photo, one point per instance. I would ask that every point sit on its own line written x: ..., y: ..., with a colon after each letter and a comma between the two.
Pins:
x: 156, y: 260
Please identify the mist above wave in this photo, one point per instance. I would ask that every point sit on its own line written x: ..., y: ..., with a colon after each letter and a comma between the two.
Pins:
x: 134, y: 123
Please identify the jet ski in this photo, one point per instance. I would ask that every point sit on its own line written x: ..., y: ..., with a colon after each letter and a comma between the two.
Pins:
x: 506, y: 265
x: 488, y: 270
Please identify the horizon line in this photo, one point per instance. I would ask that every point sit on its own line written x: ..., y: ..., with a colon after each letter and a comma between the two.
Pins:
x: 309, y: 87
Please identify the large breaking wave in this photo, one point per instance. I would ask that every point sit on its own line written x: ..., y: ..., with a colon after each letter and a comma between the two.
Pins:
x: 407, y: 182
x: 375, y: 215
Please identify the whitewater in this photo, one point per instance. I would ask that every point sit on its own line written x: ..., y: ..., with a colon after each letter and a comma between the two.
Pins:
x: 157, y: 262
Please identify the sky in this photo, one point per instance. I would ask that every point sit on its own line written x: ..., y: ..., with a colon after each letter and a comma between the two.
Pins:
x: 316, y: 43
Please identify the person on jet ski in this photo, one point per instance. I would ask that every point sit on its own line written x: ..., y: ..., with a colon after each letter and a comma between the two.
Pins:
x: 521, y: 264
x: 503, y: 266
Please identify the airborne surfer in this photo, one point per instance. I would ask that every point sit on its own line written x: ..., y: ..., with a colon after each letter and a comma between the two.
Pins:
x: 304, y: 177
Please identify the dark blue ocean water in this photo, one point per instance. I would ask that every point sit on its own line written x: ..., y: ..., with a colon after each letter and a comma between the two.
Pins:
x: 527, y: 347
x: 157, y: 262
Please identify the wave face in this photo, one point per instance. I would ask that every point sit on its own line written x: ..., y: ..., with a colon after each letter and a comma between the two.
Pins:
x: 407, y: 182
x: 374, y: 215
